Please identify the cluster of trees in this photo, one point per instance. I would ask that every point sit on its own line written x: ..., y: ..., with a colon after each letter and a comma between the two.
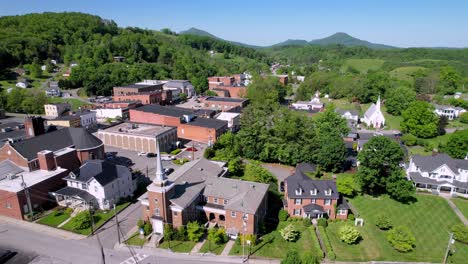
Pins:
x: 20, y: 100
x: 380, y: 172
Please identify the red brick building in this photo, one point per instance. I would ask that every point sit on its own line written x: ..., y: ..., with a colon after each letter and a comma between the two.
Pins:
x: 137, y: 88
x: 154, y: 97
x: 189, y: 125
x: 227, y: 86
x: 198, y: 191
x: 43, y: 161
x: 309, y: 198
x: 222, y: 103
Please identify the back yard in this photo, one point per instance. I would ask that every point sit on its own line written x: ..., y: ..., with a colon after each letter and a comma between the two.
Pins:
x: 429, y: 219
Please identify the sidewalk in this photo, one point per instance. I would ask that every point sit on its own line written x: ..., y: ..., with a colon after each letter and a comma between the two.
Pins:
x: 42, y: 229
x: 228, y: 248
x: 456, y: 210
x: 197, y: 247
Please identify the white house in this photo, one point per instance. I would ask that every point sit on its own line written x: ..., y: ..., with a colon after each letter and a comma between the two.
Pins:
x: 439, y: 173
x: 103, y: 113
x: 56, y: 110
x: 313, y: 104
x: 88, y: 118
x: 352, y: 115
x: 180, y: 86
x: 22, y: 84
x: 96, y: 184
x: 451, y: 112
x: 233, y: 120
x: 373, y: 117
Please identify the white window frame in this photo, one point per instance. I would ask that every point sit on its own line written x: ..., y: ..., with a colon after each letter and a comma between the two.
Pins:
x: 215, y: 200
x: 327, y: 202
x: 313, y: 201
x: 313, y: 192
x: 233, y: 213
x: 297, y: 211
x: 297, y: 201
x: 225, y: 201
x: 342, y: 212
x: 157, y: 212
x: 328, y: 192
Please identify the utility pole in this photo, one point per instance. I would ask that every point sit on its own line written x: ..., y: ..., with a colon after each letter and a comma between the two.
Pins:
x: 28, y: 198
x: 193, y: 151
x: 448, y: 248
x: 117, y: 223
x: 101, y: 249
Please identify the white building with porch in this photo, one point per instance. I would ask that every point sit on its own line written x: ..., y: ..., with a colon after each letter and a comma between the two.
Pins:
x: 439, y: 173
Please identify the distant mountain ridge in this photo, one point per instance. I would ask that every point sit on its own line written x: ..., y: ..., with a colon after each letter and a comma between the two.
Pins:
x: 337, y: 38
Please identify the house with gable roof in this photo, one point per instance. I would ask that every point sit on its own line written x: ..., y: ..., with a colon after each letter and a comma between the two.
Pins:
x: 374, y: 117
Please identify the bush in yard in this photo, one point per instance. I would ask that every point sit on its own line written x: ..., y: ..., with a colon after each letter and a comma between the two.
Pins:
x: 309, y: 258
x: 217, y: 235
x: 147, y: 228
x: 349, y: 234
x: 306, y: 222
x: 181, y: 234
x: 460, y: 233
x: 464, y: 118
x: 140, y: 223
x: 57, y: 213
x: 194, y: 231
x: 347, y: 185
x: 351, y: 217
x: 401, y: 239
x: 292, y: 257
x: 69, y: 211
x: 283, y: 215
x: 383, y: 222
x: 168, y: 232
x: 290, y: 233
x: 409, y: 140
x: 209, y: 153
x: 82, y: 220
x: 247, y: 237
x: 322, y: 222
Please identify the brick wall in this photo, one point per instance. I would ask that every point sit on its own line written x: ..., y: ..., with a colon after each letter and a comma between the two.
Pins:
x: 96, y: 153
x: 7, y: 152
x: 68, y: 161
x: 305, y: 201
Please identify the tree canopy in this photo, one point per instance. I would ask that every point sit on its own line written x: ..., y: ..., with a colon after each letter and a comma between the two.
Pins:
x: 420, y: 120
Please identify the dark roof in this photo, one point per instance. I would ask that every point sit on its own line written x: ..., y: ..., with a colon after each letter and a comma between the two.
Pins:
x: 343, y: 111
x: 165, y: 110
x: 418, y: 178
x: 343, y: 204
x: 103, y: 171
x: 208, y: 122
x: 300, y: 181
x: 313, y: 207
x: 140, y: 86
x: 430, y: 163
x: 224, y: 99
x: 70, y: 191
x: 67, y: 117
x: 79, y: 138
x: 8, y: 167
x: 11, y: 124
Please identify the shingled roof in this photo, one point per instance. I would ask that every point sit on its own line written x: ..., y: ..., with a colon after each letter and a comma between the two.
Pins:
x: 430, y: 163
x: 102, y: 171
x: 301, y: 181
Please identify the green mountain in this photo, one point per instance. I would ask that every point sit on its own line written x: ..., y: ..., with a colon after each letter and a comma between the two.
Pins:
x: 347, y: 40
x: 202, y: 33
x: 292, y: 42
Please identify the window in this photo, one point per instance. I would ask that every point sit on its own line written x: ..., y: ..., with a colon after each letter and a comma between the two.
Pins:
x: 299, y: 191
x: 298, y: 201
x: 245, y: 217
x: 8, y: 205
x: 313, y: 201
x: 155, y: 201
x: 225, y: 201
x: 327, y: 201
x: 328, y: 212
x: 297, y: 211
x: 156, y: 212
x: 215, y: 200
x: 175, y: 213
x: 328, y: 192
x: 147, y: 208
x: 313, y: 192
x: 84, y: 186
x: 95, y: 188
x: 342, y: 212
x: 233, y: 214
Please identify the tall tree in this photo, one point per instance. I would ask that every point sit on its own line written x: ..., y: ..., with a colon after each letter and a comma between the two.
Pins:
x: 420, y: 120
x: 398, y: 99
x: 457, y: 145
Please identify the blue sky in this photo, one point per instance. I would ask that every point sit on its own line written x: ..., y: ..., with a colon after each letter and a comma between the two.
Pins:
x: 401, y: 23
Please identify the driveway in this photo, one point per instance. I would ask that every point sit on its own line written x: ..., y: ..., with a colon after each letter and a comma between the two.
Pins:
x: 281, y: 172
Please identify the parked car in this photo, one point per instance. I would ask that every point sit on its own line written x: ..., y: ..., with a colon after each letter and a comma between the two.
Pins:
x: 167, y: 157
x: 151, y: 155
x: 168, y: 171
x: 142, y: 154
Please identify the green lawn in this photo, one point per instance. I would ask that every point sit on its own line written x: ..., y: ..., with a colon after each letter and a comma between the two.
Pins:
x: 391, y: 122
x: 440, y: 140
x: 363, y: 65
x: 54, y: 220
x: 404, y: 73
x: 461, y: 254
x: 178, y: 246
x: 462, y: 205
x: 100, y: 217
x: 457, y: 124
x: 272, y: 245
x: 429, y: 218
x: 418, y: 150
x: 75, y: 103
x: 215, y: 249
x: 135, y: 240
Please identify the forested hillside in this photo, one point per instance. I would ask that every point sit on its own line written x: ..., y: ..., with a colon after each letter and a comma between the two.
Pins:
x: 92, y: 42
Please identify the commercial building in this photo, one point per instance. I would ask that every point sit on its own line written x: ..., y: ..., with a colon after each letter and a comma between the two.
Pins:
x: 152, y: 97
x: 81, y: 118
x: 56, y: 110
x: 227, y: 86
x: 139, y: 137
x: 189, y: 125
x: 223, y: 103
x: 233, y: 120
x: 137, y: 88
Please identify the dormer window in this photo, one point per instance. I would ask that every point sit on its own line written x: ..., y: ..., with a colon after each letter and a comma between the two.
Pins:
x: 313, y: 192
x: 328, y: 191
x: 299, y: 191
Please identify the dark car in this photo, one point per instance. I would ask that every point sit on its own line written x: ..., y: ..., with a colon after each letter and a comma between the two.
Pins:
x: 151, y: 155
x: 168, y: 171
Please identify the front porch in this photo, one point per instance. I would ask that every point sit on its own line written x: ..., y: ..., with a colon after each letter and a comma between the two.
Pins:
x: 445, y: 188
x: 74, y: 198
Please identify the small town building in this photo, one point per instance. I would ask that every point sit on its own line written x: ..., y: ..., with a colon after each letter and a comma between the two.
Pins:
x: 450, y: 112
x: 313, y: 104
x: 139, y: 137
x: 179, y: 86
x: 56, y: 110
x: 96, y: 184
x: 351, y: 115
x: 137, y: 88
x: 223, y: 103
x: 228, y: 86
x: 233, y: 120
x: 374, y: 117
x: 439, y: 173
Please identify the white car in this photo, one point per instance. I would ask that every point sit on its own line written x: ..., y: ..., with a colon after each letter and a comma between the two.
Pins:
x: 141, y: 153
x: 167, y: 157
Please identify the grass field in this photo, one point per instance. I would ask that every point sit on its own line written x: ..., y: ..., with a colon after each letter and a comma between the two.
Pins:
x: 363, y: 65
x: 391, y: 122
x: 215, y: 248
x: 404, y: 73
x: 100, y: 216
x: 418, y: 150
x: 462, y: 204
x: 54, y: 220
x: 135, y: 240
x: 272, y: 245
x: 75, y: 103
x: 429, y: 218
x: 178, y: 246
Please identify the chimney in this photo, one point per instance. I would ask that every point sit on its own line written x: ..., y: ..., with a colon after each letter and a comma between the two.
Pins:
x: 34, y: 126
x: 46, y: 160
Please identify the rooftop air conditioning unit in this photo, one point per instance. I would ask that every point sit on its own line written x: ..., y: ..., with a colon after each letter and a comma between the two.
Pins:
x: 11, y: 176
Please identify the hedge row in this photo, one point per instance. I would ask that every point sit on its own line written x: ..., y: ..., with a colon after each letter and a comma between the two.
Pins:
x: 323, y: 234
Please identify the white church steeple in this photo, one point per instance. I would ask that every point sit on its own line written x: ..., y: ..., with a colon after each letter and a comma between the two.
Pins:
x: 160, y: 178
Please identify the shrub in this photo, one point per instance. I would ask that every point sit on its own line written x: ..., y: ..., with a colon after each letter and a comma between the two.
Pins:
x: 248, y: 237
x: 168, y: 232
x: 217, y: 235
x: 209, y: 153
x: 290, y: 233
x: 322, y: 222
x: 176, y: 151
x: 292, y: 257
x: 181, y: 234
x: 283, y: 215
x: 82, y: 220
x: 194, y: 231
x: 383, y: 222
x: 401, y: 239
x: 306, y: 222
x: 347, y: 185
x: 331, y: 255
x: 147, y: 228
x: 140, y: 223
x: 409, y: 140
x: 57, y: 212
x: 464, y: 118
x: 351, y: 217
x: 349, y: 234
x: 460, y: 233
x: 69, y: 211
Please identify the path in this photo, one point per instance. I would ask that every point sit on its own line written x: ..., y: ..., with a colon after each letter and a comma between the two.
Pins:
x: 281, y: 172
x: 456, y: 210
x: 197, y: 247
x: 228, y: 248
x: 322, y: 245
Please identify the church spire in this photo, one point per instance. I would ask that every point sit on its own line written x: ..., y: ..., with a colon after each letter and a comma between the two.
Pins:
x: 160, y: 175
x: 378, y: 103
